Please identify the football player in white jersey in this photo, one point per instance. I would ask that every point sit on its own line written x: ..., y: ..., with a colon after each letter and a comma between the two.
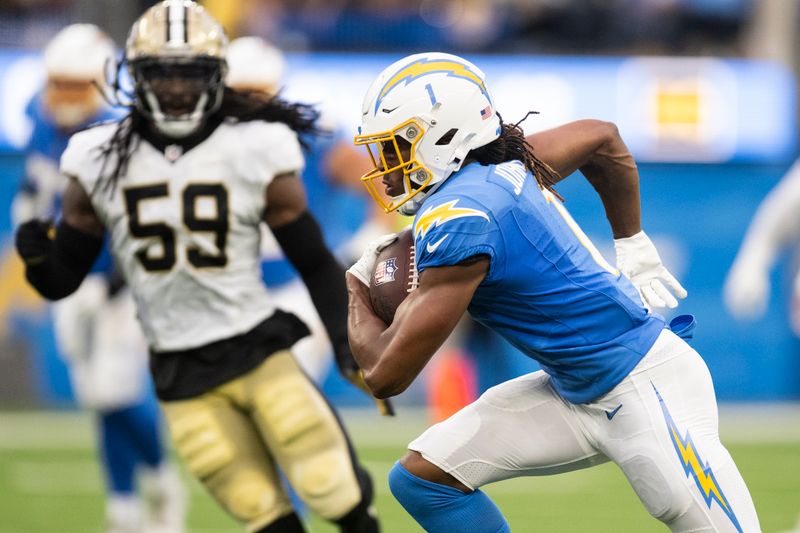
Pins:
x: 95, y: 329
x: 181, y: 185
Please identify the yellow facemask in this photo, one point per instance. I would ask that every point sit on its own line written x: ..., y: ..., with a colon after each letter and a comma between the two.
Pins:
x: 384, y: 148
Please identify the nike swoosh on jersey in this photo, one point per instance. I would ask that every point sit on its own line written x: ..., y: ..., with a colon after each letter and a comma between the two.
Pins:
x: 610, y: 414
x: 431, y: 247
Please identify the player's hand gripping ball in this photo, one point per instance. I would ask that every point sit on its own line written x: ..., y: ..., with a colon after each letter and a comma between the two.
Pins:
x: 394, y: 276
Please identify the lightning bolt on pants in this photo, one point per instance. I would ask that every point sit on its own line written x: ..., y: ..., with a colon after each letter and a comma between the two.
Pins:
x: 659, y: 425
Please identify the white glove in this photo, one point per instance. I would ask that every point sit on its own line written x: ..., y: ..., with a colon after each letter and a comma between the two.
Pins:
x: 366, y: 264
x: 638, y: 259
x: 746, y: 290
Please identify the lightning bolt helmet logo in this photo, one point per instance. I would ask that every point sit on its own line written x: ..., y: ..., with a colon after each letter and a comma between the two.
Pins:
x: 425, y: 66
x: 440, y: 107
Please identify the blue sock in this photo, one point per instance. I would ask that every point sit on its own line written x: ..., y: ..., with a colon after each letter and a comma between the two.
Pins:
x: 142, y: 423
x: 117, y: 453
x: 130, y: 437
x: 439, y: 508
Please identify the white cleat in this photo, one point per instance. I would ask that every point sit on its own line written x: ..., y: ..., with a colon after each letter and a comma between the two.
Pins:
x: 165, y: 500
x: 124, y: 514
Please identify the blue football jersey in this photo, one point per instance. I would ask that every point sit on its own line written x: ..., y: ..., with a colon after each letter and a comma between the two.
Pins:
x: 548, y: 290
x: 42, y: 179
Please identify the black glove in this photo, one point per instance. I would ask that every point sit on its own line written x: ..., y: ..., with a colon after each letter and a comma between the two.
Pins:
x: 34, y: 241
x: 350, y: 370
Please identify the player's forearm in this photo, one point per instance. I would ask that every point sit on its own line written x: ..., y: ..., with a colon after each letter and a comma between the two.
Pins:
x: 387, y: 366
x: 596, y: 149
x: 612, y: 172
x: 364, y: 329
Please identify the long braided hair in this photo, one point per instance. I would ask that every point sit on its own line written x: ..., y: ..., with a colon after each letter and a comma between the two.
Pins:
x: 511, y: 145
x: 239, y: 106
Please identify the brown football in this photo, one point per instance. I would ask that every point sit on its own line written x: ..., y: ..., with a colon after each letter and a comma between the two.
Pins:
x: 394, y: 277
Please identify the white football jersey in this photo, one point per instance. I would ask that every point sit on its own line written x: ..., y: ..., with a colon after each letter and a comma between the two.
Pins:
x: 185, y: 230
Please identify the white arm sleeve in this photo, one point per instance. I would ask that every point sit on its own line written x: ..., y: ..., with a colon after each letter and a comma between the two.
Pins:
x: 776, y: 222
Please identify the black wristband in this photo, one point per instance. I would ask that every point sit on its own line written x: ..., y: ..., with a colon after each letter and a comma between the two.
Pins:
x: 302, y: 243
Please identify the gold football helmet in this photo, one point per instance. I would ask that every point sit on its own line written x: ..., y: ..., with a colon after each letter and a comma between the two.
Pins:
x: 176, y: 57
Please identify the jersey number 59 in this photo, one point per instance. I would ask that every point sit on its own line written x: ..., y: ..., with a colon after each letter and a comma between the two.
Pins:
x: 218, y: 225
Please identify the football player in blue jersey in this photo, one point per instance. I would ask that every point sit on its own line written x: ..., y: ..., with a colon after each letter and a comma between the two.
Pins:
x: 494, y: 239
x: 95, y: 328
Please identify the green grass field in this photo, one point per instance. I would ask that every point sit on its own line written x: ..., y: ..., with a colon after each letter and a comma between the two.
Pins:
x: 50, y: 481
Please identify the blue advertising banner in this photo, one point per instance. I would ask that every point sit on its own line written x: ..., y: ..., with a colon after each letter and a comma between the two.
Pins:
x: 712, y: 136
x: 668, y: 109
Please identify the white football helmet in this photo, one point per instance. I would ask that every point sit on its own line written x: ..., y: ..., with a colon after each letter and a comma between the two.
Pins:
x: 75, y: 60
x: 255, y: 65
x: 176, y: 58
x: 437, y: 102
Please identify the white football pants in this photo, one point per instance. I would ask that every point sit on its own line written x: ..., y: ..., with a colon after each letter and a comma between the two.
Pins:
x: 313, y: 353
x: 659, y: 425
x: 103, y: 346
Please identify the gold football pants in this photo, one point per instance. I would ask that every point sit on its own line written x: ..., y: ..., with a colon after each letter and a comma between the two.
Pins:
x: 231, y: 438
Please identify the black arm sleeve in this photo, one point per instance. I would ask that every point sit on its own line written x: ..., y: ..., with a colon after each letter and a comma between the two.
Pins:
x: 62, y: 271
x: 302, y: 243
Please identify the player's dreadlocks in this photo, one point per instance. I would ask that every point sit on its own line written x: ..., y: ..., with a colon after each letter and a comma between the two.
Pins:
x: 238, y: 106
x: 512, y: 146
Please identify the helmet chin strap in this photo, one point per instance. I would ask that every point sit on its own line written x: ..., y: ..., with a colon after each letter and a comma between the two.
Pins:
x: 176, y: 127
x: 412, y: 206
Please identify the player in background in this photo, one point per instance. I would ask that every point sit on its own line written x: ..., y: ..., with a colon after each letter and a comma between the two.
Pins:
x: 181, y: 185
x: 775, y: 226
x: 257, y: 66
x: 96, y: 328
x: 332, y: 165
x: 492, y: 237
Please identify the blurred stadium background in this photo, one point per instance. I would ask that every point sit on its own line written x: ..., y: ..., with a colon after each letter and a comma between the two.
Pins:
x: 704, y: 93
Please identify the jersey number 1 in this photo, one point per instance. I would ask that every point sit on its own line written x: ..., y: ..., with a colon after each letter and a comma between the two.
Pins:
x: 578, y: 232
x: 218, y: 225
